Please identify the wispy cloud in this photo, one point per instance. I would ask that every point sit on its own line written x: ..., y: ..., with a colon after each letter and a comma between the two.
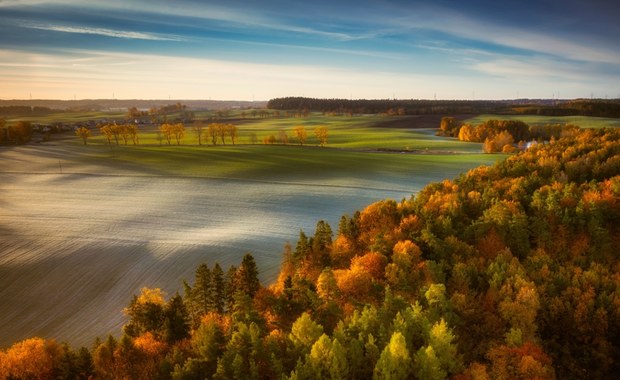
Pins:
x: 493, y: 32
x: 104, y: 32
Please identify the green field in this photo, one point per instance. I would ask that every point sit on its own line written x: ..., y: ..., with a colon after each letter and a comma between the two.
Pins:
x: 367, y: 132
x: 580, y: 121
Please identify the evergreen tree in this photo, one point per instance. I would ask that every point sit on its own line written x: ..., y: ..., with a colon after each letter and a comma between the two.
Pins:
x: 230, y: 287
x: 218, y: 289
x: 247, y: 276
x: 176, y: 325
x: 321, y: 243
x: 303, y: 247
x: 202, y: 294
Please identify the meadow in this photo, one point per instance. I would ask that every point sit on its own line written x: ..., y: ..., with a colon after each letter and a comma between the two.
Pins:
x: 85, y: 227
x: 581, y: 121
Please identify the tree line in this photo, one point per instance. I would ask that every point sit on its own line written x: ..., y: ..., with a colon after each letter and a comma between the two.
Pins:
x: 503, y: 135
x: 509, y: 271
x: 377, y: 106
x: 549, y: 107
x: 215, y: 133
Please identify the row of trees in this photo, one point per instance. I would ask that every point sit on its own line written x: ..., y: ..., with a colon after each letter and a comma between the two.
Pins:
x: 301, y: 135
x: 215, y: 133
x: 507, y: 272
x: 383, y: 106
x: 585, y: 107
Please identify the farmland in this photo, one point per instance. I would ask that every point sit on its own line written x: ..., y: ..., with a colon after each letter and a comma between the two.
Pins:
x: 84, y: 227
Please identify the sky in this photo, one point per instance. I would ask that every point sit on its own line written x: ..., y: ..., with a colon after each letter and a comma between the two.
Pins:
x: 262, y: 49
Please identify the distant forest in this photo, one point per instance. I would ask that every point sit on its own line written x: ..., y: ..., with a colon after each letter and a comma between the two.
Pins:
x: 506, y: 272
x: 548, y: 107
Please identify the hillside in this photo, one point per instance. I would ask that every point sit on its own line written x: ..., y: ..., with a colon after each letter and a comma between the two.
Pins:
x: 505, y: 272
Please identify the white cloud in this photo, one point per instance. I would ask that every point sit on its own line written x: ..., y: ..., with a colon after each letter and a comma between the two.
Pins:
x: 103, y: 32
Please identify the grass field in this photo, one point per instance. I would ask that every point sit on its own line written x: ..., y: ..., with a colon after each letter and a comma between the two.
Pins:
x: 82, y: 228
x: 580, y: 121
x: 368, y: 132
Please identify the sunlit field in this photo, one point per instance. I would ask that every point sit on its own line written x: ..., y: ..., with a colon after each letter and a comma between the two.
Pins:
x: 84, y: 227
x: 580, y: 121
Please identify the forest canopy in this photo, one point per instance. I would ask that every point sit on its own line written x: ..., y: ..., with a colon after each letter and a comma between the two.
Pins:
x: 506, y: 272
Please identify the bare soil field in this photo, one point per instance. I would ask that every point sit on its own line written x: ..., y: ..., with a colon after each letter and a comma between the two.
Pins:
x: 77, y: 240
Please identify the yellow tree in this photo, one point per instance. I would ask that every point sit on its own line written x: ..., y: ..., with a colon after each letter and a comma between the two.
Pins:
x: 83, y: 133
x: 301, y: 134
x: 33, y: 358
x: 106, y: 130
x: 178, y: 130
x: 132, y: 131
x: 116, y: 131
x: 166, y: 131
x: 125, y: 132
x: 232, y: 131
x: 222, y: 131
x: 321, y: 135
x: 212, y: 131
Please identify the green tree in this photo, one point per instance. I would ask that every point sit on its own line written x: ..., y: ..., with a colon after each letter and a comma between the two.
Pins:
x: 322, y: 243
x: 441, y: 340
x: 303, y: 247
x: 218, y: 289
x: 146, y: 313
x: 176, y: 323
x: 202, y: 294
x: 427, y: 365
x: 247, y: 276
x: 230, y: 286
x: 326, y: 285
x: 395, y: 361
x: 305, y: 332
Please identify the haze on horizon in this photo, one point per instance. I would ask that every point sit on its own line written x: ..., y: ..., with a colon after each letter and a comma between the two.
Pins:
x: 243, y: 50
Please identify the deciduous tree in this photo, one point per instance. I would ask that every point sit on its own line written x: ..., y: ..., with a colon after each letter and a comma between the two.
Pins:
x: 83, y: 133
x: 321, y: 134
x: 301, y: 134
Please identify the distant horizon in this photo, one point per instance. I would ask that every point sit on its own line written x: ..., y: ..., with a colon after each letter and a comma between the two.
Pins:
x: 294, y: 96
x: 417, y: 49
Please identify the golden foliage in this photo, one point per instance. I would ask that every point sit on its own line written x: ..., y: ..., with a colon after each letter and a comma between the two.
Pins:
x: 33, y: 358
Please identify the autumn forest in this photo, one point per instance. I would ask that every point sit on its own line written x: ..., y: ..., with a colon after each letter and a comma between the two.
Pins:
x: 509, y: 271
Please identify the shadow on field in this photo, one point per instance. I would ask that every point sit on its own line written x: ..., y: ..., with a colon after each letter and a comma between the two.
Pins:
x: 415, y: 121
x: 79, y: 296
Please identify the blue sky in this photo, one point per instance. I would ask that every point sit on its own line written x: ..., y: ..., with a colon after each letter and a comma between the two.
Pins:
x: 257, y: 50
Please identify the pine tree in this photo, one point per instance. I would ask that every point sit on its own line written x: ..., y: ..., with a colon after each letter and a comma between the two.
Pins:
x: 230, y: 287
x: 321, y: 243
x: 176, y: 325
x: 201, y: 292
x: 217, y: 289
x: 247, y: 276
